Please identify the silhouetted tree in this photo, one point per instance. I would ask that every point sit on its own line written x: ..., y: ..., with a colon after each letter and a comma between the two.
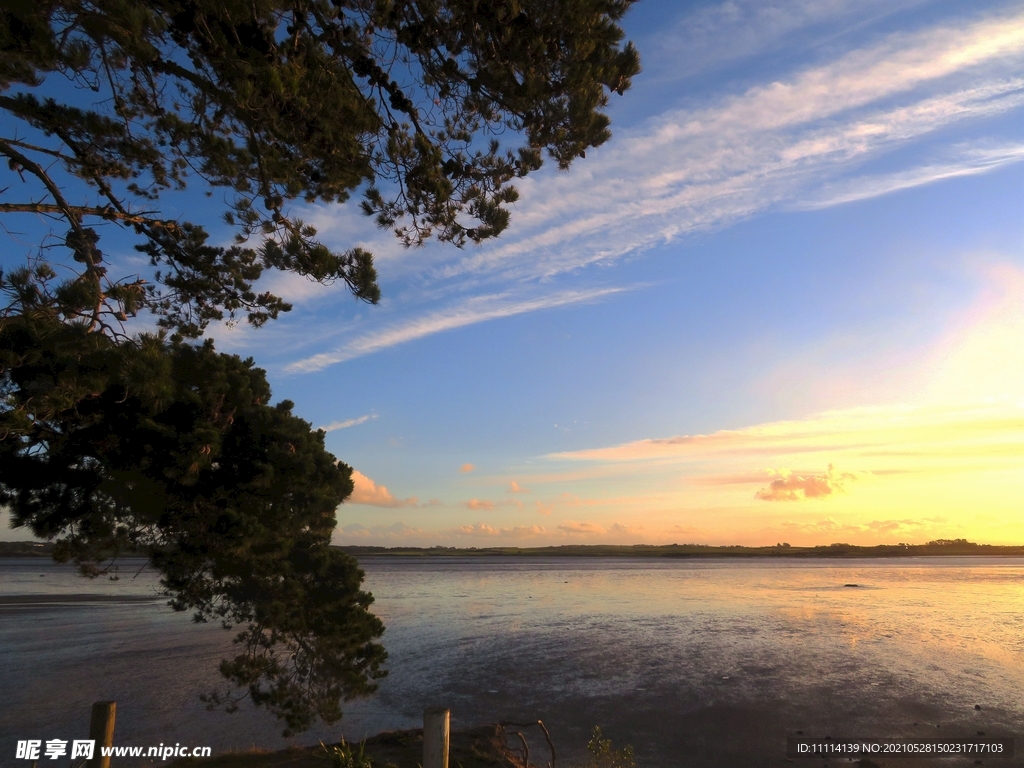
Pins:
x: 173, y: 451
x: 430, y: 108
x: 113, y: 442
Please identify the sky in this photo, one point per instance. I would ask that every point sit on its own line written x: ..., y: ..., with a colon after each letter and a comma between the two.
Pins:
x: 784, y: 303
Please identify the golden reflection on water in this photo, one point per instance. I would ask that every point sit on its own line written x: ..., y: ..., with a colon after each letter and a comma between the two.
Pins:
x: 934, y: 623
x: 575, y: 641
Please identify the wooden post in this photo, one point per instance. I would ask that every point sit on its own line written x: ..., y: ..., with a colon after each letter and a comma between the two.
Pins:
x: 101, y: 730
x: 436, y: 725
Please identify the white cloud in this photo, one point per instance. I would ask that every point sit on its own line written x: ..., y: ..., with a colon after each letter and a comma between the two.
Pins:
x: 790, y: 486
x: 912, y: 527
x: 736, y: 29
x: 366, y: 491
x: 933, y: 430
x: 401, y: 534
x: 397, y: 533
x: 336, y: 425
x: 694, y: 169
x: 620, y: 529
x: 797, y: 141
x: 897, y: 65
x: 475, y: 310
x: 971, y: 161
x: 574, y: 528
x: 514, y: 532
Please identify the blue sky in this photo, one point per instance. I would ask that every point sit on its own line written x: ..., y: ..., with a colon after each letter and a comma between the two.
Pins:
x: 783, y: 302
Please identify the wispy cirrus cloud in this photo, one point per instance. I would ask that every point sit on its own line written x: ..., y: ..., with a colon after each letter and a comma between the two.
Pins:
x: 969, y: 161
x: 573, y: 528
x: 476, y: 310
x: 776, y: 144
x: 795, y: 142
x: 336, y: 425
x: 694, y: 43
x: 933, y: 431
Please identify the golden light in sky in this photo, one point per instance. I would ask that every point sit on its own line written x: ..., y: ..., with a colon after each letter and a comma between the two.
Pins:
x: 946, y: 461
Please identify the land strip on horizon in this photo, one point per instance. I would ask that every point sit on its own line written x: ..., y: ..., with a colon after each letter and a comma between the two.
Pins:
x: 940, y: 548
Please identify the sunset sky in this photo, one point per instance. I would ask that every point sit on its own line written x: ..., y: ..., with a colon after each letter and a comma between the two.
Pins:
x: 784, y: 303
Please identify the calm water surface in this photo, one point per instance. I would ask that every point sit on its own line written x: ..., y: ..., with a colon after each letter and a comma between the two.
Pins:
x: 695, y: 662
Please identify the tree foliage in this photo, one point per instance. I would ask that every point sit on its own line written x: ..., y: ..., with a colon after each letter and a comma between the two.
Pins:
x: 604, y: 755
x: 430, y: 109
x: 173, y: 451
x: 113, y: 442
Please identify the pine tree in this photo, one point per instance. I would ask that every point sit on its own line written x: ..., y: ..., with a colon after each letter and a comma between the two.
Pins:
x: 113, y: 443
x: 428, y: 109
x: 173, y: 451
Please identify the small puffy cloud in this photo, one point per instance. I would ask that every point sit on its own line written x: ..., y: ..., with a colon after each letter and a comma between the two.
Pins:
x: 873, y: 531
x: 904, y: 525
x: 366, y: 491
x: 514, y: 487
x: 620, y: 530
x: 826, y: 525
x: 580, y: 529
x: 467, y: 467
x: 517, y: 532
x: 889, y: 528
x: 545, y: 509
x: 479, y: 529
x: 480, y: 504
x: 336, y: 425
x: 688, y: 533
x: 400, y: 529
x: 378, y: 534
x: 790, y: 486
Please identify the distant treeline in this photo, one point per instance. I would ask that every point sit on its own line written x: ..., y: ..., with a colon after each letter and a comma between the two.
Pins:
x: 44, y: 549
x: 941, y: 547
x: 26, y: 549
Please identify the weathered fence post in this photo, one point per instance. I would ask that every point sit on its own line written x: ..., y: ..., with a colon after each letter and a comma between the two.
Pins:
x: 101, y: 730
x: 436, y: 724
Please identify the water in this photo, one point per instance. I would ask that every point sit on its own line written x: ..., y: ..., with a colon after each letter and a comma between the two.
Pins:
x: 694, y: 662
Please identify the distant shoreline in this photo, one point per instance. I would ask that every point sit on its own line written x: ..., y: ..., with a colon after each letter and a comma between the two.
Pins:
x: 26, y: 549
x: 942, y: 548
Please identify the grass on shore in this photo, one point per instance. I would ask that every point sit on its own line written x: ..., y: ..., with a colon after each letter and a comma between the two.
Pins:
x: 482, y: 747
x: 486, y: 746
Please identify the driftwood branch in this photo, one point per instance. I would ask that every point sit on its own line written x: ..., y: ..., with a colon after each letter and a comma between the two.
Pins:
x: 543, y: 729
x: 526, y: 749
